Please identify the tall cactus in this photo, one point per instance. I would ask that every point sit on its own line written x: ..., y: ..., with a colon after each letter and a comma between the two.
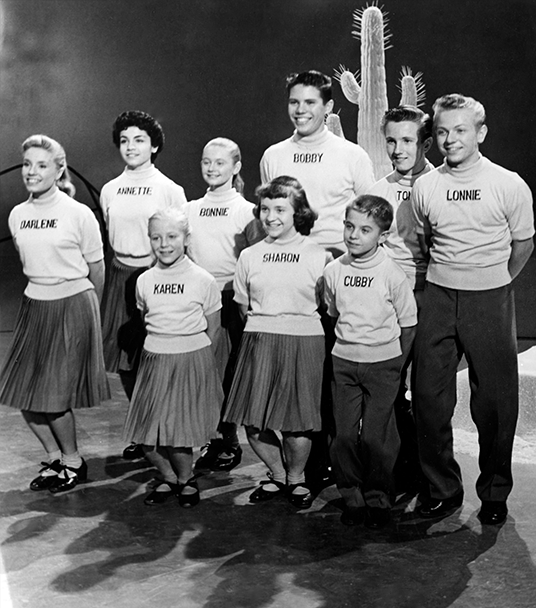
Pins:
x: 371, y: 95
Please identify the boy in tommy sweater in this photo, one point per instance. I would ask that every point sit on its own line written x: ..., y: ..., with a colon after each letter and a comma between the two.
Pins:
x: 372, y: 301
x: 480, y: 224
x: 408, y: 137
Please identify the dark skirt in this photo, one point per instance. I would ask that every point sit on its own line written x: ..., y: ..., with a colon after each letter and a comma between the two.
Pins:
x: 176, y: 401
x: 278, y: 382
x: 228, y: 339
x: 55, y: 362
x: 118, y: 306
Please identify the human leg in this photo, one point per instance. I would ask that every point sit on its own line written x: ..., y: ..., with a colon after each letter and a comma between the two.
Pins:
x: 487, y: 330
x: 380, y: 442
x: 266, y: 444
x: 182, y: 460
x: 297, y: 447
x: 347, y: 412
x: 38, y: 423
x: 168, y: 486
x: 225, y: 454
x: 436, y: 356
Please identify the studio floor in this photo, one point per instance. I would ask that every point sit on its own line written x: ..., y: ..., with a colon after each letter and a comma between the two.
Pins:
x: 99, y: 545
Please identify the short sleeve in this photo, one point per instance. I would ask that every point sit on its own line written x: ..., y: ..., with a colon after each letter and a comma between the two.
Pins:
x: 520, y: 214
x: 264, y: 169
x: 90, y: 236
x: 404, y: 303
x: 240, y: 282
x: 363, y: 173
x: 329, y: 295
x: 140, y: 299
x: 212, y: 301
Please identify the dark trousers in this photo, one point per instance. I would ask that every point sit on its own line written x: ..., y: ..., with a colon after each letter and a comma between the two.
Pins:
x: 365, y: 446
x: 481, y: 325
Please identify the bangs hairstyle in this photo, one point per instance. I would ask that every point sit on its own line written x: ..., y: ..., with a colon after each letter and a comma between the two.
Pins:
x: 288, y: 187
x: 236, y: 156
x: 375, y: 206
x: 410, y: 114
x: 171, y: 215
x: 312, y: 78
x: 455, y: 101
x: 59, y: 157
x: 144, y: 122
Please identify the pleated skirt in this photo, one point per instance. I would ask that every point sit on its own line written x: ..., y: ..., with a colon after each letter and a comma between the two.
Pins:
x: 55, y: 361
x: 176, y: 401
x: 119, y: 295
x: 278, y: 382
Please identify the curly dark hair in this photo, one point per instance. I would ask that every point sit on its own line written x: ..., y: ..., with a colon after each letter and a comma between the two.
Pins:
x: 144, y: 122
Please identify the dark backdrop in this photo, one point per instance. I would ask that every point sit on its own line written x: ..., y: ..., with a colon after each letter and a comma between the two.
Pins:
x: 208, y: 68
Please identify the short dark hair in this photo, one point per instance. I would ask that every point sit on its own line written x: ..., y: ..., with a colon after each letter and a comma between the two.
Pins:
x: 410, y: 114
x: 376, y: 206
x: 455, y: 101
x: 312, y: 78
x: 144, y: 122
x: 288, y: 187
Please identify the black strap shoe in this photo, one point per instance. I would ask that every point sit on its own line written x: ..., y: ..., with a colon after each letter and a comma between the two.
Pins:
x: 43, y: 482
x: 69, y: 478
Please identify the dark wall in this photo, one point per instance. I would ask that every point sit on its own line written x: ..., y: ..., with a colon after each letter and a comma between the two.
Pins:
x: 216, y: 67
x: 207, y: 68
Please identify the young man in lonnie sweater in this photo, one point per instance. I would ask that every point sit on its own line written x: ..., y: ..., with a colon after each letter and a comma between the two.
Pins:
x: 475, y: 220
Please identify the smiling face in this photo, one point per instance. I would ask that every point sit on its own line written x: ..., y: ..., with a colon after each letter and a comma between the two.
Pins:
x: 458, y: 136
x: 136, y: 148
x: 277, y: 217
x: 405, y: 150
x: 168, y: 241
x: 306, y: 109
x: 39, y: 171
x: 362, y: 235
x: 218, y: 167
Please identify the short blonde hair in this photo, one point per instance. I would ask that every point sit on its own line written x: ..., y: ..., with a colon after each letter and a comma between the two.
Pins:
x: 455, y: 101
x: 171, y: 214
x: 45, y: 142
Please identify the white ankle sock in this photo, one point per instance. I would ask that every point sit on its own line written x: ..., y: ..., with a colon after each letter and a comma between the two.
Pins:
x: 73, y: 461
x: 52, y: 456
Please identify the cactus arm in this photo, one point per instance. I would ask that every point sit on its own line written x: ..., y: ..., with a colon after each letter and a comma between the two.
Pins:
x: 412, y: 88
x: 333, y: 123
x: 349, y: 84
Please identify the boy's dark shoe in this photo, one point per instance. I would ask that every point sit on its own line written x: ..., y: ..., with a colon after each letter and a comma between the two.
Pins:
x: 353, y: 516
x: 492, y: 513
x: 377, y: 518
x: 440, y: 507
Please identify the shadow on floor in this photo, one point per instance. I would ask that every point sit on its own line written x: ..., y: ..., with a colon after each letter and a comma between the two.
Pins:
x: 228, y: 553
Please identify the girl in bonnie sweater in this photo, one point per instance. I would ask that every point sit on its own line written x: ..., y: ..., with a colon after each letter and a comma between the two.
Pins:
x: 222, y: 225
x: 177, y: 396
